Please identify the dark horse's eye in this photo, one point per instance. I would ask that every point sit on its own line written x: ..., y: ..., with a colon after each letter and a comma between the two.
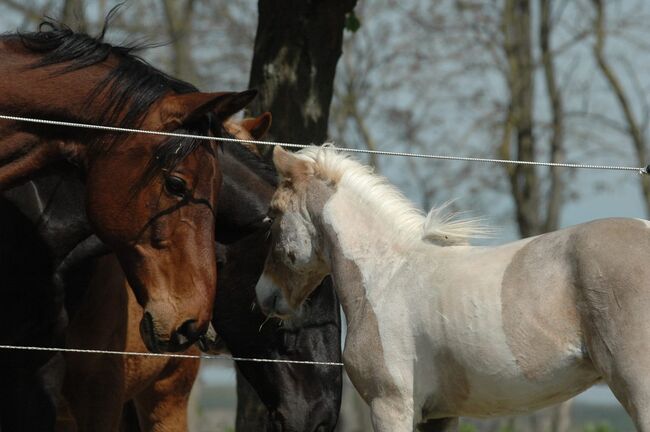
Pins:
x: 175, y: 186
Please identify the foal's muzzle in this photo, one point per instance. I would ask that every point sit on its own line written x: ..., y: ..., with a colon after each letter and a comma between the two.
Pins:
x: 270, y: 298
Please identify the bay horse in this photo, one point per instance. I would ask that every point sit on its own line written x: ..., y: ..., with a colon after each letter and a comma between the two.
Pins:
x: 149, y: 198
x: 156, y: 389
x: 438, y: 329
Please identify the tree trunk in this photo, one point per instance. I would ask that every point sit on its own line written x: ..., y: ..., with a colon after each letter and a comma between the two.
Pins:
x: 554, y: 199
x: 297, y: 46
x: 523, y: 179
x: 73, y: 14
x: 178, y: 15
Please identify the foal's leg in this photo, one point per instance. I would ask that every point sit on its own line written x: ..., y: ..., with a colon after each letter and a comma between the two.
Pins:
x: 439, y: 425
x: 162, y: 406
x: 625, y: 365
x: 391, y: 415
x: 616, y: 326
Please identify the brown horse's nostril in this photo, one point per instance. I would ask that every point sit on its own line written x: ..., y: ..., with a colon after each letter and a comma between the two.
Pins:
x: 191, y: 330
x: 148, y: 333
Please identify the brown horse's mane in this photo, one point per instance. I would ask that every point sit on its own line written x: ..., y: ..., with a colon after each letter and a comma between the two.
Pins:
x: 125, y: 94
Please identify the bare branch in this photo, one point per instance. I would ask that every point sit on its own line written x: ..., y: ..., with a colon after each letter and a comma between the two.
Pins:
x: 615, y: 85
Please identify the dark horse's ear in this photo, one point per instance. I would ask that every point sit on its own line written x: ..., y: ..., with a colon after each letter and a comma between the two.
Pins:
x: 258, y: 126
x: 179, y: 109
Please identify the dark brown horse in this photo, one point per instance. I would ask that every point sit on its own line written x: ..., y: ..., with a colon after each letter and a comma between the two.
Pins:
x: 149, y: 198
x: 297, y: 397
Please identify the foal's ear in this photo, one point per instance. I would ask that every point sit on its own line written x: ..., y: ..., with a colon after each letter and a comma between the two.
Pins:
x: 289, y: 166
x: 257, y: 126
x: 180, y: 109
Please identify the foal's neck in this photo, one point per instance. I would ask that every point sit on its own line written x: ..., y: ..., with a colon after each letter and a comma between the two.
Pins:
x: 362, y: 250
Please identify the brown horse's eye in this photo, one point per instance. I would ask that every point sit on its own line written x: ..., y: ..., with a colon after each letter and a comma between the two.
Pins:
x: 175, y: 186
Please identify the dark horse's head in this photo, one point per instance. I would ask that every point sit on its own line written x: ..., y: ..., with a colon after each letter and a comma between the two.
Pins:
x: 298, y: 397
x: 150, y: 198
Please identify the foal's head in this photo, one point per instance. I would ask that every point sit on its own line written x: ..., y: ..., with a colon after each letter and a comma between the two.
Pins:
x: 296, y: 263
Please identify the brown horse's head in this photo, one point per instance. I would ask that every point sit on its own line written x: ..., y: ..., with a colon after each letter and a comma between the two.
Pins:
x: 152, y: 200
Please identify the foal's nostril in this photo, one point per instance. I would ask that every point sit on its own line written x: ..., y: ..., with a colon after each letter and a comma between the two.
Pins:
x: 190, y: 329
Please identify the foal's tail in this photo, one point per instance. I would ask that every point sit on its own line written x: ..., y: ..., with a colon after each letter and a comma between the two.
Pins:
x: 446, y: 227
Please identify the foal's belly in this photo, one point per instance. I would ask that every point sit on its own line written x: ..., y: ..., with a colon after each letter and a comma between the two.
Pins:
x: 512, y: 393
x: 479, y: 376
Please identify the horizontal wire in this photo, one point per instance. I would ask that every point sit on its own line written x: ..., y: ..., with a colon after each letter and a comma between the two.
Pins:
x: 168, y: 355
x: 641, y: 170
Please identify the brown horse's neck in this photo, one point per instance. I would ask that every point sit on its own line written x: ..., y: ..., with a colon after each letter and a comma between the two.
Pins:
x: 26, y: 148
x: 29, y: 90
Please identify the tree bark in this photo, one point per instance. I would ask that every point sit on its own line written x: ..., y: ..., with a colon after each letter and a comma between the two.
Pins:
x: 73, y: 14
x: 178, y: 15
x: 297, y: 47
x: 554, y: 199
x: 523, y: 179
x: 633, y: 129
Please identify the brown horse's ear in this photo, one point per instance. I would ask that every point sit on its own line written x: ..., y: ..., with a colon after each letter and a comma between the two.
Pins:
x: 234, y: 103
x: 289, y: 166
x: 179, y: 109
x: 257, y: 126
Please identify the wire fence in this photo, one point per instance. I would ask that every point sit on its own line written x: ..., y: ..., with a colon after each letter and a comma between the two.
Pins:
x: 611, y: 167
x: 167, y: 355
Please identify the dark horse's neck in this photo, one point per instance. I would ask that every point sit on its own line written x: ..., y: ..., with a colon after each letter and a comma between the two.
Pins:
x: 247, y: 188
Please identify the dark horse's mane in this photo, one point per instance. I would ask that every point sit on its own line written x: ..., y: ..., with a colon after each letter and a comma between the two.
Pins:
x: 129, y: 89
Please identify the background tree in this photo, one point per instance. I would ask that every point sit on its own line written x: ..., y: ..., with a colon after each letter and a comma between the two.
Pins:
x: 636, y: 128
x: 297, y: 46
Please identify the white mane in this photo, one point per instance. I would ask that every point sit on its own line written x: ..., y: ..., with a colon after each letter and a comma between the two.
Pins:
x: 440, y: 226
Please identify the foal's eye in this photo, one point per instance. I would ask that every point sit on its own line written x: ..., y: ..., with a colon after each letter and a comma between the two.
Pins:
x: 175, y: 186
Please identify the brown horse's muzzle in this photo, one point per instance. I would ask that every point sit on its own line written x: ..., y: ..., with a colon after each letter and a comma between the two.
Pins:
x: 177, y: 298
x: 179, y: 339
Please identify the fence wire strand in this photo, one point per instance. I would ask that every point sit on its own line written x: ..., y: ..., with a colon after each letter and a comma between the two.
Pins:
x: 168, y: 355
x: 641, y: 170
